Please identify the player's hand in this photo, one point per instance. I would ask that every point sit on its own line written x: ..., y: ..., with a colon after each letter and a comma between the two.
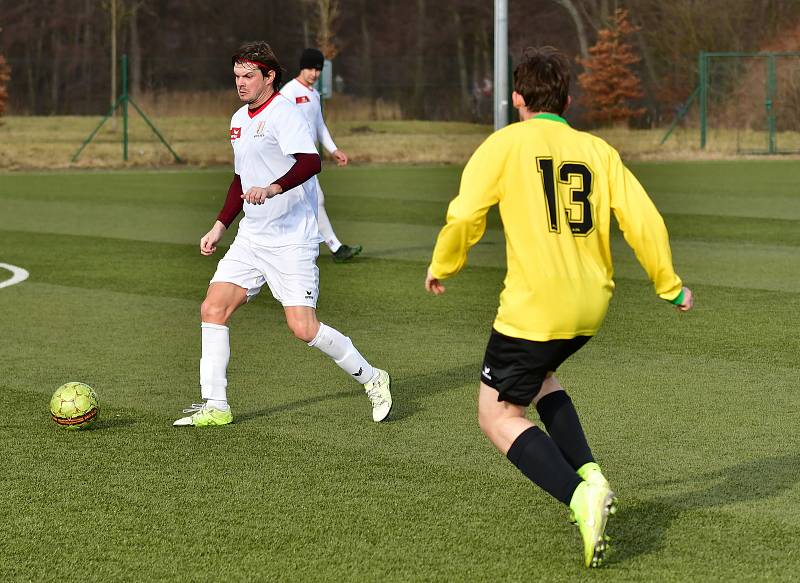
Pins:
x: 433, y: 285
x: 208, y: 244
x: 341, y: 158
x: 258, y: 195
x: 688, y: 300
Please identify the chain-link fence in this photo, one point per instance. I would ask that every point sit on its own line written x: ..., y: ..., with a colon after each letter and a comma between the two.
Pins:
x: 750, y: 101
x: 384, y: 88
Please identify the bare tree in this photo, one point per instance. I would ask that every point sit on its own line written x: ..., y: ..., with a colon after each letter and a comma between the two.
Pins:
x: 461, y: 56
x: 598, y: 13
x: 135, y: 47
x: 327, y: 16
x: 431, y: 57
x: 580, y: 29
x: 113, y: 26
x: 419, y: 61
x: 366, y: 54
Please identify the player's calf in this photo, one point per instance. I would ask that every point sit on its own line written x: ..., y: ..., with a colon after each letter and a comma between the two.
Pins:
x: 376, y: 382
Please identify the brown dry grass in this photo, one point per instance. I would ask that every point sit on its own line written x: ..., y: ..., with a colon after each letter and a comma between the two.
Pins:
x: 223, y: 103
x: 50, y: 142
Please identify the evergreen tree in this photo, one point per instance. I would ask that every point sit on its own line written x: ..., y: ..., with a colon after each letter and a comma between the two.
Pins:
x: 609, y: 83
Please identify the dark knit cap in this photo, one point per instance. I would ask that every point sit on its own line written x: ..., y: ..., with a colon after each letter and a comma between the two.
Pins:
x: 311, y: 59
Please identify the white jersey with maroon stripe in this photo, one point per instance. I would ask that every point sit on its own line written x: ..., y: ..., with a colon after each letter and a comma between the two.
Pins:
x: 308, y: 100
x: 263, y: 143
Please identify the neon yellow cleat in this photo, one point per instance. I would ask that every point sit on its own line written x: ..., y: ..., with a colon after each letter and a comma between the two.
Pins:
x: 204, y: 415
x: 591, y: 506
x: 379, y: 394
x: 592, y: 474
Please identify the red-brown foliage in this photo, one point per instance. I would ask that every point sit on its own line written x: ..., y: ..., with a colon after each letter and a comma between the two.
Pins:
x: 609, y: 83
x: 5, y: 77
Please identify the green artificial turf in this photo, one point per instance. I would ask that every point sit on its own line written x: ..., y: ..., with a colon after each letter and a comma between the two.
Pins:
x: 693, y: 417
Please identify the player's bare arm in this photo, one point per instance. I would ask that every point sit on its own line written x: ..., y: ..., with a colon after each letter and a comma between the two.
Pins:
x: 208, y: 244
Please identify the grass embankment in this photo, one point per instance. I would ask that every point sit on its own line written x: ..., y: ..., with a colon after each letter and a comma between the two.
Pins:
x: 51, y: 142
x: 693, y: 416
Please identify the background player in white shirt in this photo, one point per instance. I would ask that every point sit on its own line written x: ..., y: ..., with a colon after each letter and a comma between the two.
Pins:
x: 278, y: 239
x: 301, y: 91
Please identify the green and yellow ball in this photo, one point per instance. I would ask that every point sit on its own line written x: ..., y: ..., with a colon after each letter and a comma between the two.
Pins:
x: 74, y: 405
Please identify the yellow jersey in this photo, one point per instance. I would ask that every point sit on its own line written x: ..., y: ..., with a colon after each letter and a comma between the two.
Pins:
x: 556, y: 187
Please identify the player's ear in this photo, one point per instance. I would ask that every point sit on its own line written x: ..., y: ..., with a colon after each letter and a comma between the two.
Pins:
x: 569, y: 102
x: 517, y: 100
x: 270, y: 76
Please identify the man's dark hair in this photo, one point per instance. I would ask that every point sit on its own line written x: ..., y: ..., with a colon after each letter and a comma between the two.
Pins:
x: 260, y: 54
x: 542, y: 79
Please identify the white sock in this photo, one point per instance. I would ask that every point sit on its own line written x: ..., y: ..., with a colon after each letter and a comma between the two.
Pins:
x: 340, y: 348
x: 221, y: 405
x: 325, y: 227
x: 216, y: 351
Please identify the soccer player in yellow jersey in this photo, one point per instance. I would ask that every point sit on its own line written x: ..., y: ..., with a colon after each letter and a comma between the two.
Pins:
x: 557, y: 189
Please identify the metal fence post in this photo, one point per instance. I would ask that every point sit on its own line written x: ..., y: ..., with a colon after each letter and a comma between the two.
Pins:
x: 770, y: 103
x: 124, y: 98
x: 123, y: 101
x: 703, y: 70
x: 500, y: 63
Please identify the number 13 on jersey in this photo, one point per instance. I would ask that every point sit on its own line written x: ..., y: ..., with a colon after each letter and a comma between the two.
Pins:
x: 578, y: 178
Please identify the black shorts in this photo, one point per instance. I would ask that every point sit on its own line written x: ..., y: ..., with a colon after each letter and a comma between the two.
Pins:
x: 516, y: 368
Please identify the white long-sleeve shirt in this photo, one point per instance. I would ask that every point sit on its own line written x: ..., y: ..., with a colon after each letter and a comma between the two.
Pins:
x: 308, y: 100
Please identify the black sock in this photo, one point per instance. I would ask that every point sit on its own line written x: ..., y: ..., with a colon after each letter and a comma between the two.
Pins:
x: 537, y: 456
x: 561, y: 421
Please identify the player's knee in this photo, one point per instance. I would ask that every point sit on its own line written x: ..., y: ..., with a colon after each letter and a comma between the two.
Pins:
x: 487, y: 422
x: 213, y: 312
x: 302, y: 330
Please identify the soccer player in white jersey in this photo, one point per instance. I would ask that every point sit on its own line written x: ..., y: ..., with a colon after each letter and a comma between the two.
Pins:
x: 301, y: 91
x: 277, y: 242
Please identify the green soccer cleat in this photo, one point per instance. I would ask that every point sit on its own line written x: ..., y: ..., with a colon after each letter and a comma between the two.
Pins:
x: 592, y: 474
x: 204, y: 415
x: 378, y: 392
x: 346, y: 253
x: 591, y: 506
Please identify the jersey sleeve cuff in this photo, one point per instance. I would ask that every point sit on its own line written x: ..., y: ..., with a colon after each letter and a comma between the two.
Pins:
x: 678, y: 299
x: 435, y: 273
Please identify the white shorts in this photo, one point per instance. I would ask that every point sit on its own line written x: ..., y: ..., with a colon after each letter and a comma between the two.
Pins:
x: 290, y: 271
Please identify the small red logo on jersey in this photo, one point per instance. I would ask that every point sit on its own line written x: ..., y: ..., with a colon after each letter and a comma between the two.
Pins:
x: 236, y: 133
x: 302, y: 99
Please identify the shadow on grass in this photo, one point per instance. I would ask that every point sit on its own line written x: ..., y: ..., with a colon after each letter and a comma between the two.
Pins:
x: 267, y: 412
x: 414, y: 390
x: 408, y: 393
x: 641, y: 527
x: 104, y: 423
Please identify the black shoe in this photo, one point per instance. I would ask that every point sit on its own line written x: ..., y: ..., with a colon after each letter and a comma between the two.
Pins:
x: 346, y: 253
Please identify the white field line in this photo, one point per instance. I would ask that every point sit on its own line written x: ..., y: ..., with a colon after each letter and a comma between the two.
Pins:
x: 18, y: 274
